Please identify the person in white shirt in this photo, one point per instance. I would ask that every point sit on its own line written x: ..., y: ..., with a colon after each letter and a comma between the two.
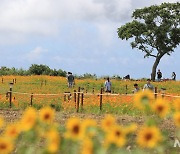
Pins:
x: 148, y: 86
x: 107, y: 85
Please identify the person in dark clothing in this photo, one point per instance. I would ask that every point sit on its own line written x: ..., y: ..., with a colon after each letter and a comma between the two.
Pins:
x: 159, y: 75
x: 70, y: 79
x: 173, y: 76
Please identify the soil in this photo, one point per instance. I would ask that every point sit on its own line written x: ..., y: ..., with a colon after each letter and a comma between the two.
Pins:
x: 167, y: 124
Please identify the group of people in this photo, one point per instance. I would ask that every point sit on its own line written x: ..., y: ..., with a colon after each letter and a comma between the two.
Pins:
x: 108, y: 84
x: 147, y: 86
x: 159, y: 75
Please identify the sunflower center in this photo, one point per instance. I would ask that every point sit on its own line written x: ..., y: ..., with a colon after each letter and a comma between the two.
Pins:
x: 145, y: 99
x: 118, y: 133
x: 148, y: 136
x: 46, y: 116
x: 3, y: 146
x: 160, y: 108
x: 76, y: 129
x: 13, y: 131
x: 178, y: 119
x: 108, y: 123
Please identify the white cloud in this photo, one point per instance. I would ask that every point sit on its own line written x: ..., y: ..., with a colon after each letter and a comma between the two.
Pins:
x: 35, y: 54
x: 21, y: 19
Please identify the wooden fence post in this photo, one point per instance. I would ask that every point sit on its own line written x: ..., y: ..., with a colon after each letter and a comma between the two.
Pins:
x: 2, y: 80
x: 163, y: 95
x: 93, y: 91
x: 82, y: 99
x: 69, y: 96
x: 155, y: 92
x: 75, y: 98
x: 101, y: 98
x: 78, y: 99
x: 10, y: 97
x: 126, y: 89
x: 31, y: 103
x: 41, y: 83
x: 64, y: 96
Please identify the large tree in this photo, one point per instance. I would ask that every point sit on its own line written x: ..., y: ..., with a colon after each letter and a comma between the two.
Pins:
x: 155, y: 30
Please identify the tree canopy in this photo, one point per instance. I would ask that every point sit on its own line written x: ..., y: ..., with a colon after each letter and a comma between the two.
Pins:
x: 155, y: 29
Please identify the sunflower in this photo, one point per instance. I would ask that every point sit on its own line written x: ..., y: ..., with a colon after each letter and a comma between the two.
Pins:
x: 176, y: 104
x: 12, y: 130
x: 53, y: 139
x: 47, y: 114
x: 29, y: 119
x: 161, y: 107
x: 176, y: 118
x: 74, y: 129
x: 131, y: 128
x: 148, y: 137
x: 143, y: 98
x: 116, y: 136
x: 1, y: 122
x: 87, y: 146
x: 108, y: 122
x: 88, y: 127
x: 6, y: 146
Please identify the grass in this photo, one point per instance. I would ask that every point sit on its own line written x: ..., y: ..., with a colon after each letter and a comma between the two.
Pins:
x: 58, y: 85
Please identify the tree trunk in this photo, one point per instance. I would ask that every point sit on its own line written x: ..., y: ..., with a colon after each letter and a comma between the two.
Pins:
x: 153, y: 74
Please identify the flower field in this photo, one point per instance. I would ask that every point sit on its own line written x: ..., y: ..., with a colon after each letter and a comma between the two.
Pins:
x: 47, y: 117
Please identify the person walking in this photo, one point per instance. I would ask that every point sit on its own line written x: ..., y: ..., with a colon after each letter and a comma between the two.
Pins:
x: 148, y: 86
x: 70, y: 79
x: 159, y: 75
x: 108, y: 85
x: 173, y: 76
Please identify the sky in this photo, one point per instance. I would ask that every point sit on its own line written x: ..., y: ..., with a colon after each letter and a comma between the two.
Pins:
x: 76, y: 35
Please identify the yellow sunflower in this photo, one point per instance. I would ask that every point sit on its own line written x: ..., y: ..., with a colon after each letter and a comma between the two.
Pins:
x: 47, y: 114
x: 28, y: 119
x: 143, y: 98
x: 12, y: 130
x: 53, y: 138
x: 176, y: 118
x: 176, y: 104
x: 148, y: 137
x: 116, y: 136
x: 88, y: 126
x: 161, y: 107
x: 108, y: 122
x: 131, y: 128
x: 74, y: 129
x: 87, y: 146
x: 1, y: 122
x: 6, y: 146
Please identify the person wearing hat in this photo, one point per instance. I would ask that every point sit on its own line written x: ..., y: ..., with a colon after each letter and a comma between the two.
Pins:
x: 148, y: 86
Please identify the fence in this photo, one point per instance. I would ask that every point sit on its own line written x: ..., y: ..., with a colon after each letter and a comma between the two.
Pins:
x: 76, y: 98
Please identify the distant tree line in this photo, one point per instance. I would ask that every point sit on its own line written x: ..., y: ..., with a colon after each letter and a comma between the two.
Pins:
x: 34, y: 69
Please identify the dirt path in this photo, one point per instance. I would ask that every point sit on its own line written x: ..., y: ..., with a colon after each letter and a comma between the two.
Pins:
x: 61, y: 117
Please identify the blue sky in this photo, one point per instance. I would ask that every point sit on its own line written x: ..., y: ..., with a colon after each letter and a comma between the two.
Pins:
x: 75, y: 35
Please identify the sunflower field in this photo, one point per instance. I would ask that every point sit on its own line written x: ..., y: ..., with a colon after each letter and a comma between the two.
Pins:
x: 47, y: 117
